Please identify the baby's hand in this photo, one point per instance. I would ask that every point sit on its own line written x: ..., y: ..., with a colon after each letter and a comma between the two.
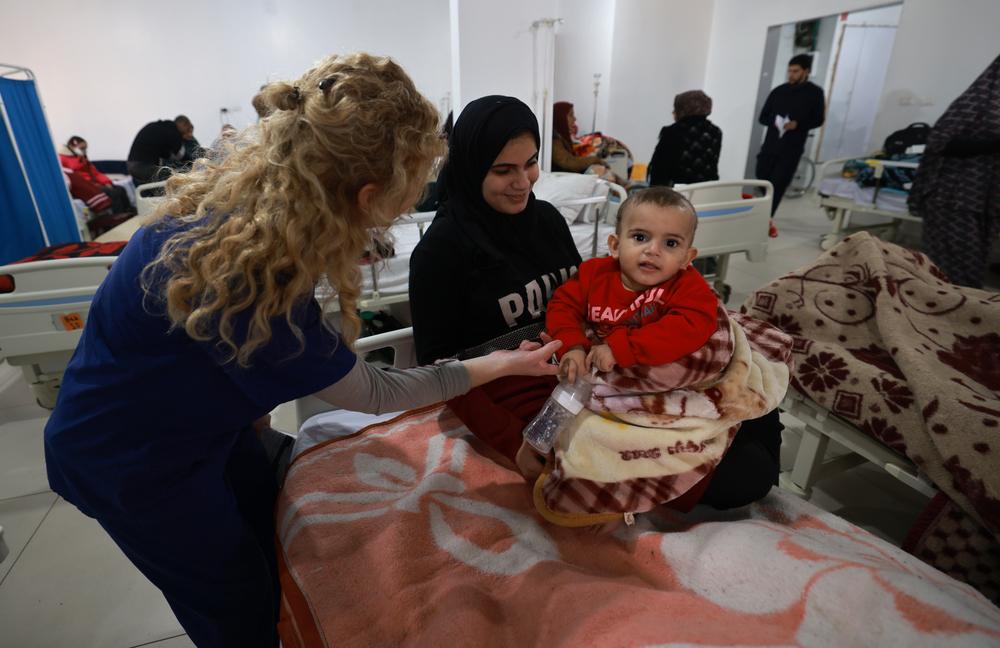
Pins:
x: 572, y: 364
x: 600, y: 356
x: 529, y: 462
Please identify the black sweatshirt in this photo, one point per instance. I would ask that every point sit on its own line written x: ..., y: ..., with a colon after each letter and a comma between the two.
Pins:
x: 155, y: 142
x: 687, y: 152
x: 462, y: 295
x: 803, y: 103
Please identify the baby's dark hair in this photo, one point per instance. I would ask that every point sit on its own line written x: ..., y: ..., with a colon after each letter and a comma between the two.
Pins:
x: 661, y: 197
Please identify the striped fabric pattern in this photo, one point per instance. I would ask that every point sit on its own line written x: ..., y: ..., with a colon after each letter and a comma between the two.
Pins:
x: 655, y: 447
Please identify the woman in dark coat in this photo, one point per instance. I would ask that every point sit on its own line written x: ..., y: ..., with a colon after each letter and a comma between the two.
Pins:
x: 688, y: 150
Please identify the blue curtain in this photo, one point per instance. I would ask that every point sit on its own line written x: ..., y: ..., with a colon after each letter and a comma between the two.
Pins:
x: 22, y: 234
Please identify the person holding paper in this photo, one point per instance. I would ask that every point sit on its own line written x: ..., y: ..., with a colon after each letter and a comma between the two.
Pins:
x: 790, y: 112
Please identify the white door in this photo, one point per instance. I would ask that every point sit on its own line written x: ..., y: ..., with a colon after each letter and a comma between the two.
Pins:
x: 857, y: 86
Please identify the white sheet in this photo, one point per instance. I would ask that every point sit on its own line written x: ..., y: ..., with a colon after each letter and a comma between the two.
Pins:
x: 333, y: 424
x: 892, y: 200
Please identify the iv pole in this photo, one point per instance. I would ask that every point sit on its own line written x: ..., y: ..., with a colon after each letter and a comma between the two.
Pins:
x: 597, y: 86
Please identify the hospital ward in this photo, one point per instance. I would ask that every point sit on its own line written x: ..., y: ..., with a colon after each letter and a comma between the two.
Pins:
x: 535, y: 323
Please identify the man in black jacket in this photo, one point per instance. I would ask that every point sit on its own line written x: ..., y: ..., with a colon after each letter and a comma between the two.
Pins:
x: 790, y: 112
x: 159, y: 144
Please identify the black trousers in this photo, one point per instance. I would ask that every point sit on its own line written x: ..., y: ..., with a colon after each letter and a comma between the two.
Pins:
x: 146, y: 172
x: 778, y: 169
x: 119, y: 199
x: 751, y: 466
x: 209, y: 546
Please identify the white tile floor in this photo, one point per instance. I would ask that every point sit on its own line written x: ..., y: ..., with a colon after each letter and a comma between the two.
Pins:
x: 65, y: 584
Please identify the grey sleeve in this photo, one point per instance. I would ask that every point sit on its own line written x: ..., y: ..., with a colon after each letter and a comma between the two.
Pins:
x: 375, y: 391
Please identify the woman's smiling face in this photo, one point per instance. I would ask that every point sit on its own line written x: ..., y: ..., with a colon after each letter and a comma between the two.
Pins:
x: 508, y: 183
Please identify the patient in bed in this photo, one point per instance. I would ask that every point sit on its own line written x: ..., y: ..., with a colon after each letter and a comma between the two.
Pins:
x: 675, y: 374
x: 645, y: 304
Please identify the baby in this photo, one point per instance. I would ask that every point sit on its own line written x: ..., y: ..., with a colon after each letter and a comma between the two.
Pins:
x: 645, y: 304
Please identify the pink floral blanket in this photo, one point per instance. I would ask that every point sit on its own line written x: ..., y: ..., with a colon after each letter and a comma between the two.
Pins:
x: 883, y: 341
x: 407, y: 534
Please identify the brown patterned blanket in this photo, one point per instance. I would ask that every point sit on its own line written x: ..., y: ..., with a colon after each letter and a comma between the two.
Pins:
x: 885, y: 342
x: 654, y: 433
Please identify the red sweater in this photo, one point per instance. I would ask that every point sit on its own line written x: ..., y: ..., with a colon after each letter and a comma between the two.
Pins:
x: 654, y: 327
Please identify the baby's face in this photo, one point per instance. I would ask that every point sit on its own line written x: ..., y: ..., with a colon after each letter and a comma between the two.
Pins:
x: 654, y: 245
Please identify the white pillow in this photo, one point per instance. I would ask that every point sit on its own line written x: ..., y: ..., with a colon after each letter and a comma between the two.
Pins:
x: 561, y: 187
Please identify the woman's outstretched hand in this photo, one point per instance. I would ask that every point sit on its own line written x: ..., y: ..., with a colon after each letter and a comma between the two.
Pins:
x: 529, y: 359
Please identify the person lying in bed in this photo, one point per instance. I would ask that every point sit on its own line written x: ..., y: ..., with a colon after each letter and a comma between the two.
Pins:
x: 645, y: 304
x: 482, y: 276
x: 208, y: 320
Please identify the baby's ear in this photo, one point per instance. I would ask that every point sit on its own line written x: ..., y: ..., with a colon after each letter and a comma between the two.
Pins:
x: 613, y: 245
x: 691, y: 254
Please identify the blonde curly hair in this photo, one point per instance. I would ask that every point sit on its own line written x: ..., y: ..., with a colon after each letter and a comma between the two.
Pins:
x: 257, y: 226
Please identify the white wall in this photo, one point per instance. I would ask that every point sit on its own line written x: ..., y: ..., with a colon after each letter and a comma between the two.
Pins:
x: 735, y: 55
x: 495, y: 48
x: 583, y: 48
x: 659, y: 50
x: 940, y: 48
x: 106, y: 67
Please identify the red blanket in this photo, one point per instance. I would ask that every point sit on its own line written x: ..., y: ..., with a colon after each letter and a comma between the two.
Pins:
x: 405, y: 535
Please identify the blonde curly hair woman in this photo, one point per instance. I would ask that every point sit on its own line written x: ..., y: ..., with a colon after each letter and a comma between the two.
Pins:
x: 207, y: 321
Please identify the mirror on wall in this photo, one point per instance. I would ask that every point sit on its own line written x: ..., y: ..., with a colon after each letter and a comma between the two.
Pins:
x: 851, y: 54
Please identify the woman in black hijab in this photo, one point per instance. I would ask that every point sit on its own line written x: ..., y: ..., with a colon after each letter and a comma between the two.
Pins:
x: 494, y: 253
x: 489, y: 262
x: 688, y: 150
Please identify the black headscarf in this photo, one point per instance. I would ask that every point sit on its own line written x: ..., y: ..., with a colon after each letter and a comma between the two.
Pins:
x: 480, y: 133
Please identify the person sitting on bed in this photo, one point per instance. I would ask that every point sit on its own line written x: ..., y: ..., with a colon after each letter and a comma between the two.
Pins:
x: 645, y: 304
x: 688, y: 150
x: 208, y: 320
x: 161, y: 144
x: 88, y: 183
x: 564, y: 154
x: 481, y: 278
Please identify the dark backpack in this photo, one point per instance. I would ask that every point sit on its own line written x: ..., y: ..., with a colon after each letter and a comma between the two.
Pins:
x: 898, y: 142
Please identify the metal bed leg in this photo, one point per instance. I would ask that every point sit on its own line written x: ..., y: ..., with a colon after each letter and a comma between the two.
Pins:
x: 808, y: 462
x: 721, y: 269
x: 840, y: 221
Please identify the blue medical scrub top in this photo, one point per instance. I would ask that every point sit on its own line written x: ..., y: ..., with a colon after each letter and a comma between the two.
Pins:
x: 145, y: 413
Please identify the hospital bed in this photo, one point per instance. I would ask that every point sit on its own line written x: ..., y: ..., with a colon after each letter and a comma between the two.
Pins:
x: 364, y: 494
x: 842, y: 197
x: 43, y: 308
x: 47, y: 299
x: 44, y: 304
x: 729, y: 224
x: 816, y: 459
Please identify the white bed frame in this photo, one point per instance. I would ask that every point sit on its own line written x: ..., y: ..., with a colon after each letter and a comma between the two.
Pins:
x: 289, y: 417
x: 813, y: 462
x: 730, y: 224
x: 839, y: 210
x: 42, y: 320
